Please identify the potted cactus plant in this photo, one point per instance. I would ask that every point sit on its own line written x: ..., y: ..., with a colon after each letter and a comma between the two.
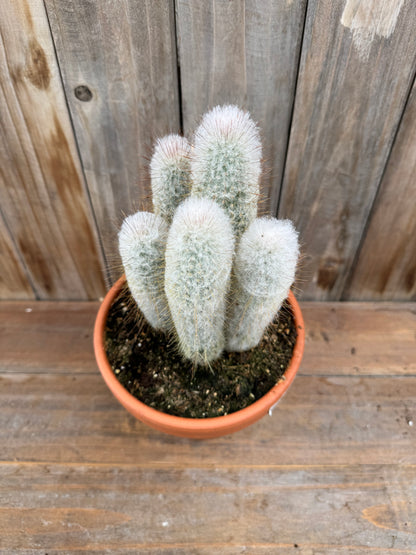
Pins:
x: 203, y: 269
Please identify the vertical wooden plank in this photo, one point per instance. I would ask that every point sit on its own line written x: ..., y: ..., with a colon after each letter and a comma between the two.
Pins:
x: 14, y: 283
x: 212, y: 56
x: 356, y: 69
x: 124, y: 53
x: 386, y: 266
x: 245, y: 53
x: 43, y: 197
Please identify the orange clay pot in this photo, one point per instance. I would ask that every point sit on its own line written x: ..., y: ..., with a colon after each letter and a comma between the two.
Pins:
x: 198, y: 428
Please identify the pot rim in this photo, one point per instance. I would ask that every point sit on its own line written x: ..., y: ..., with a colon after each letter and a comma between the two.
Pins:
x: 193, y: 427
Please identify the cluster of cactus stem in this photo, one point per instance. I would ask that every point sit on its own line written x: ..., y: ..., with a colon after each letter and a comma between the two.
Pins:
x: 203, y: 265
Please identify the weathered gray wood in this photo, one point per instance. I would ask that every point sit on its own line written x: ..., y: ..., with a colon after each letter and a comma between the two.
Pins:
x: 350, y: 339
x: 332, y: 471
x: 14, y: 283
x: 124, y: 52
x: 321, y: 420
x: 244, y: 53
x: 386, y: 267
x: 231, y: 548
x: 356, y: 70
x: 47, y: 337
x: 358, y: 339
x: 325, y: 509
x: 43, y: 198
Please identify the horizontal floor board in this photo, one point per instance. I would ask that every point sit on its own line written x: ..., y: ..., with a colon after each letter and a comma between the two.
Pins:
x: 198, y: 548
x: 225, y: 549
x: 341, y: 338
x: 47, y: 336
x: 91, y: 507
x: 321, y: 420
x: 355, y: 338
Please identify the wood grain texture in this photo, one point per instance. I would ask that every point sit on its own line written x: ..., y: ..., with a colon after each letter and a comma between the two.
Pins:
x: 322, y: 420
x: 277, y: 509
x: 386, y: 266
x: 14, y: 283
x: 351, y: 339
x: 350, y: 96
x: 65, y: 327
x: 228, y: 549
x: 244, y: 53
x: 44, y: 201
x: 359, y: 339
x: 332, y: 471
x: 124, y: 52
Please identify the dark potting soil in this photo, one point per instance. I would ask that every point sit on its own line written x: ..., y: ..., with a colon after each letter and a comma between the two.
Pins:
x: 149, y: 366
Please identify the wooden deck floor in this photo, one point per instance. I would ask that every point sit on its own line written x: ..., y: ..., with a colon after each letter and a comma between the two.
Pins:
x: 332, y: 471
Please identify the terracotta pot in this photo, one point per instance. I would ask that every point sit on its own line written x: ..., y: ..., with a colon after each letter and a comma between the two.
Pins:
x: 199, y: 428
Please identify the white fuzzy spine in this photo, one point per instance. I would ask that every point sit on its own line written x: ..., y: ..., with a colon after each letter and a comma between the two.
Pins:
x: 142, y: 243
x: 170, y: 174
x: 198, y: 265
x: 226, y: 163
x: 264, y: 269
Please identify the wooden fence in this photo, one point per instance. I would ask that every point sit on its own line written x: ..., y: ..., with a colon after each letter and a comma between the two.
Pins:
x: 87, y: 85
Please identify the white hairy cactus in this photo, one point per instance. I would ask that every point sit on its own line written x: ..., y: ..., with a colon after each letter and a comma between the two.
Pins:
x: 225, y: 163
x: 142, y: 244
x: 198, y: 265
x: 180, y: 277
x: 170, y: 174
x: 264, y: 269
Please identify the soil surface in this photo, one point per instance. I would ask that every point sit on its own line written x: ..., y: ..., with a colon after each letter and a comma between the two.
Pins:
x: 148, y: 365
